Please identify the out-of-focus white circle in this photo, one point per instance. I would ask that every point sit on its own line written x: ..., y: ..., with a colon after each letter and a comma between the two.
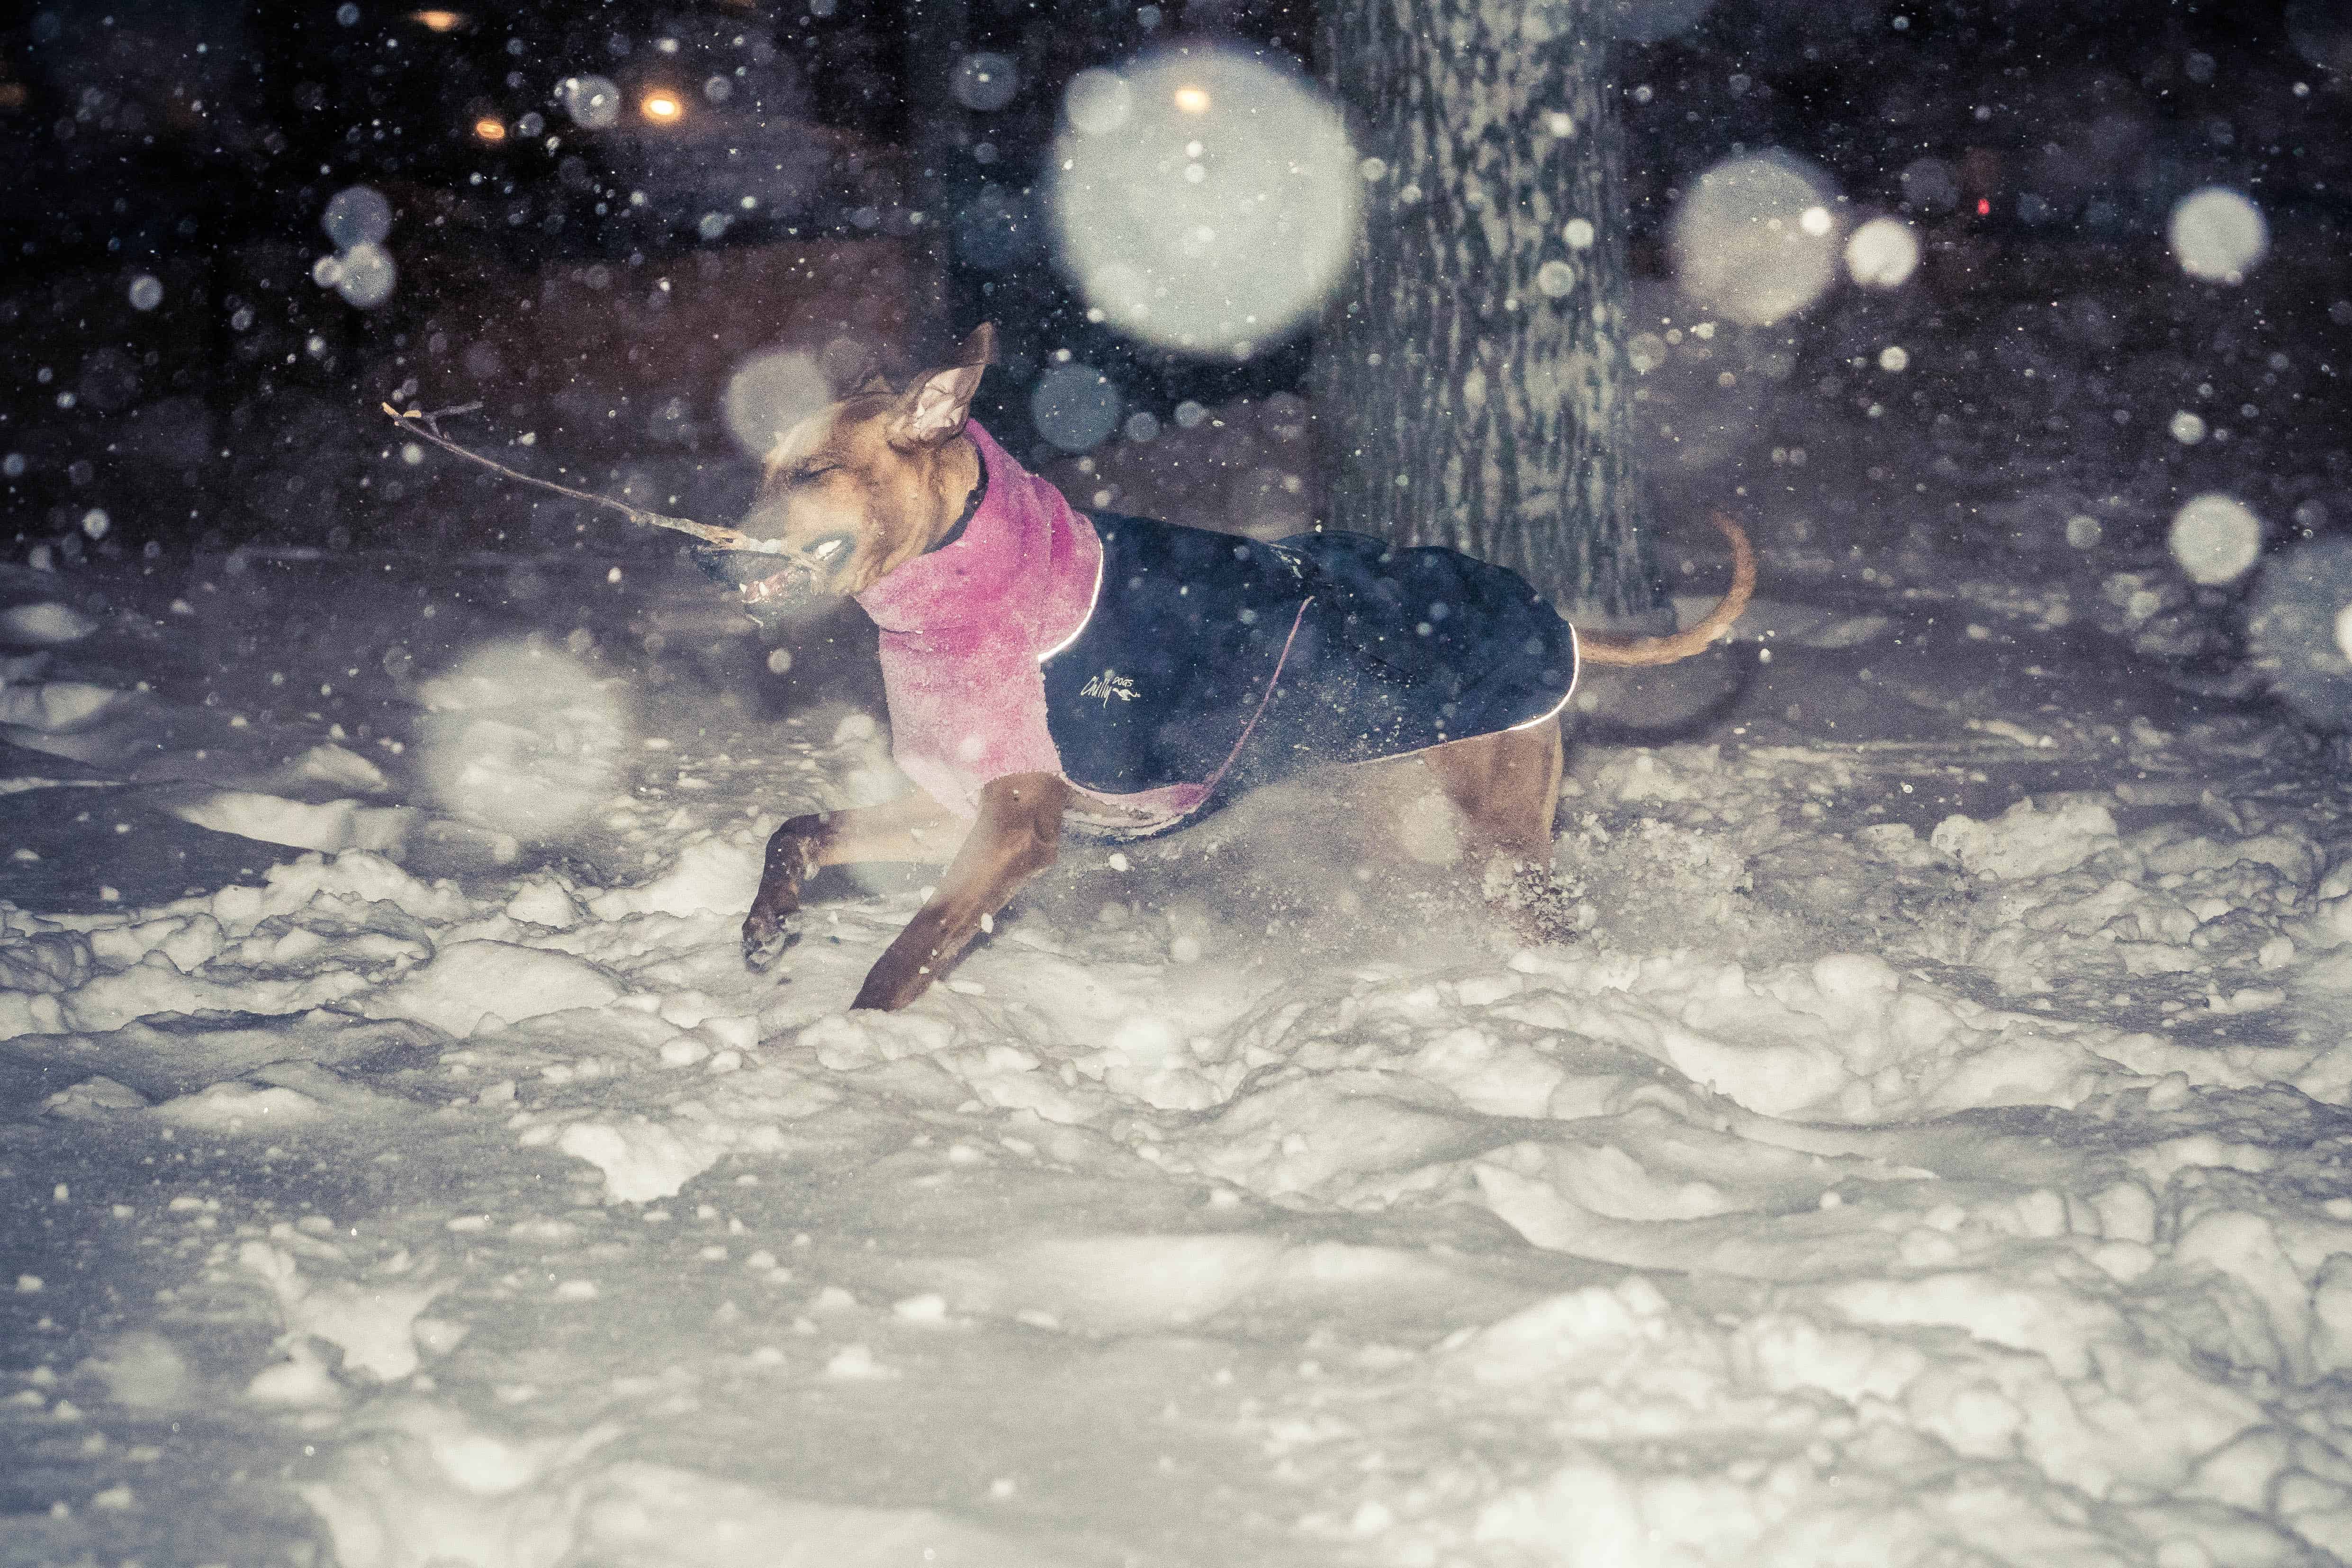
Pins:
x: 1578, y: 233
x: 2217, y: 236
x: 1097, y: 101
x: 1220, y: 212
x: 1894, y: 356
x: 146, y: 291
x: 522, y: 738
x: 326, y: 271
x: 593, y: 101
x: 2215, y: 539
x: 1555, y: 277
x: 95, y: 522
x: 2344, y: 631
x: 1882, y: 253
x: 770, y: 392
x: 2187, y: 428
x: 779, y: 660
x: 1928, y: 185
x: 2083, y: 530
x: 356, y: 214
x: 1076, y: 406
x: 1142, y: 425
x: 1740, y: 243
x: 984, y: 81
x: 367, y: 277
x: 1651, y: 21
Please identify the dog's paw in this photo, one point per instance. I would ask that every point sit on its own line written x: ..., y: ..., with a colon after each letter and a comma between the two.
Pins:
x: 1539, y: 907
x: 766, y: 935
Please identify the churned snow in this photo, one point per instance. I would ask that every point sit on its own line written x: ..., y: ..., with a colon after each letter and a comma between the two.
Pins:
x: 1932, y: 1148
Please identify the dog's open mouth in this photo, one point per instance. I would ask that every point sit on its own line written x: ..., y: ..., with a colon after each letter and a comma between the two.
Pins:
x: 801, y: 579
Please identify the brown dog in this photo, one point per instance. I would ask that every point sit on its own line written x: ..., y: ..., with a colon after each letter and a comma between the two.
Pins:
x: 868, y: 496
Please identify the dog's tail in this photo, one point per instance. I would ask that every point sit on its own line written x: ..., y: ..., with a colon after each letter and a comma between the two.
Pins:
x: 1599, y: 647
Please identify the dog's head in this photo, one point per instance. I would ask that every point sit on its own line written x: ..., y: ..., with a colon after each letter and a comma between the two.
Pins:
x: 865, y: 485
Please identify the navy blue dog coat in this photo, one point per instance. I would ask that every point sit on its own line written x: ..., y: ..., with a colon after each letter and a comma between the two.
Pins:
x: 1208, y: 658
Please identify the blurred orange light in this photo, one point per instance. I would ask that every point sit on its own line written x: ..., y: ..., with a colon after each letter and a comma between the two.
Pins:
x: 439, y: 21
x: 491, y: 129
x: 1192, y: 99
x: 662, y: 106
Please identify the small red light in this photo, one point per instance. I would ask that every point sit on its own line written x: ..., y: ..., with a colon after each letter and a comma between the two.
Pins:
x: 1984, y: 207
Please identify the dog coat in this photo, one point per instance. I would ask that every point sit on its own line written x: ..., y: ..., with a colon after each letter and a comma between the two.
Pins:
x: 1156, y: 668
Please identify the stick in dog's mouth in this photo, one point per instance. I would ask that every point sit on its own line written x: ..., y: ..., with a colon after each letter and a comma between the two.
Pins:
x: 800, y: 567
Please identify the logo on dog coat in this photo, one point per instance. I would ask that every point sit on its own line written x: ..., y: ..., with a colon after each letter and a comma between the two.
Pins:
x: 1111, y: 683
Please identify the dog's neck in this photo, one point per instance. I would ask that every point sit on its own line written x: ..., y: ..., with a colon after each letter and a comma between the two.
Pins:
x: 961, y: 476
x: 975, y: 492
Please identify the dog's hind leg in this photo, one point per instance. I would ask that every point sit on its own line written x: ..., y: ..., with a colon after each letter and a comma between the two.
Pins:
x: 913, y: 828
x: 1506, y: 787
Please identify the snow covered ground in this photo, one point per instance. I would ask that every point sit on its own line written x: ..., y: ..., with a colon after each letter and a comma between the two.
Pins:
x: 1932, y: 1153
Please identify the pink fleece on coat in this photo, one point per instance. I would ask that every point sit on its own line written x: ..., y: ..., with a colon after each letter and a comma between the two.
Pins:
x: 964, y: 628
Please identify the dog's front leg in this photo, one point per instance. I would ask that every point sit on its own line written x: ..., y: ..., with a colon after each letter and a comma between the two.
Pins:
x: 912, y: 828
x: 1017, y: 836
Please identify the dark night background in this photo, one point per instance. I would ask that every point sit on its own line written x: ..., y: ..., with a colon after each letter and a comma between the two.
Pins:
x: 199, y: 144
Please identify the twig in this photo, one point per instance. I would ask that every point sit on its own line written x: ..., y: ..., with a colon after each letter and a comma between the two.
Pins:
x: 420, y: 423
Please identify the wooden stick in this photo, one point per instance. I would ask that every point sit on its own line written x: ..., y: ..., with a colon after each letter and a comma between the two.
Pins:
x: 417, y: 422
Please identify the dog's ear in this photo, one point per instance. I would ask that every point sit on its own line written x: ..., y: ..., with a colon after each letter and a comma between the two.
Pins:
x: 980, y: 348
x: 934, y: 411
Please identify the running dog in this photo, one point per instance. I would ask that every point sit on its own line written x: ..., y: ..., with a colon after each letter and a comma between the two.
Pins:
x: 1047, y: 667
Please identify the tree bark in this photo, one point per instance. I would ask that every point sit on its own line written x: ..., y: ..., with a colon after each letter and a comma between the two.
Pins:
x: 1474, y: 389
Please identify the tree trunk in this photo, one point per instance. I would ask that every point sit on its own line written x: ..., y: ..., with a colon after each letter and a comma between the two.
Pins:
x: 1470, y: 370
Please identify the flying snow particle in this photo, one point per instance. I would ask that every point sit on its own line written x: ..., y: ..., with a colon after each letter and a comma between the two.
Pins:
x: 146, y: 291
x: 1928, y: 185
x: 1894, y: 356
x: 770, y: 392
x: 1555, y: 277
x: 2215, y: 539
x: 779, y: 660
x: 1220, y: 213
x: 1189, y: 413
x: 984, y: 81
x: 1097, y: 101
x: 593, y: 101
x: 2217, y: 236
x: 2321, y: 32
x: 1741, y: 241
x: 2187, y: 428
x: 1142, y: 425
x: 367, y: 277
x: 326, y: 271
x: 347, y: 16
x: 522, y: 738
x: 95, y: 522
x: 1076, y: 406
x: 1883, y: 253
x: 356, y: 215
x: 2299, y: 627
x: 1651, y: 21
x: 1578, y: 234
x: 2083, y: 531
